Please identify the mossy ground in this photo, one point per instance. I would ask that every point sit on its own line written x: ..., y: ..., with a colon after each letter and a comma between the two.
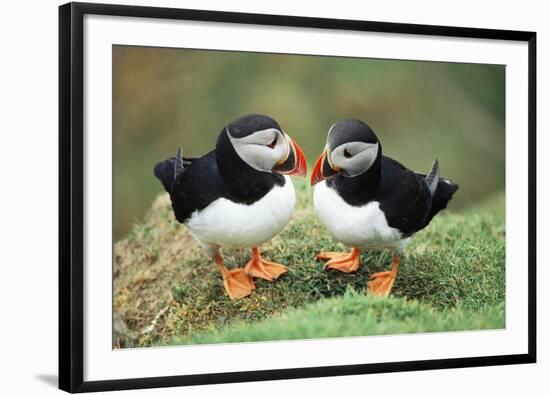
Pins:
x: 167, y: 291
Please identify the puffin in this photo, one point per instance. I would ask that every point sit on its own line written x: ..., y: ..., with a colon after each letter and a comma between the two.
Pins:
x: 239, y: 195
x: 369, y: 201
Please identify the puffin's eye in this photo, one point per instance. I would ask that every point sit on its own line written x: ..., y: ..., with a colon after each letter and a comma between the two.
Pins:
x: 273, y: 143
x: 347, y: 154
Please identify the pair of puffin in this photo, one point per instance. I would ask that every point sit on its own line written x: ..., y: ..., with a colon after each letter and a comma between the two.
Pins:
x: 240, y: 195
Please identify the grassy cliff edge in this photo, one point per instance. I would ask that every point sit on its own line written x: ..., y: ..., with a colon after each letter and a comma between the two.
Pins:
x: 168, y: 292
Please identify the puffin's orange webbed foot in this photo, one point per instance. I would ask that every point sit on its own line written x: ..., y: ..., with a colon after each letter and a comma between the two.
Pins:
x: 262, y: 268
x: 236, y: 282
x: 380, y: 284
x: 347, y: 263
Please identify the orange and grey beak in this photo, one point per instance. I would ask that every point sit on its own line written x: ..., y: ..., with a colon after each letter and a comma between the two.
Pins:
x: 295, y: 162
x: 323, y: 169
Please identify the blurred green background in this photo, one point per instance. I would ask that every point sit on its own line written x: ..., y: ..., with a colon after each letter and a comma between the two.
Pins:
x: 165, y: 98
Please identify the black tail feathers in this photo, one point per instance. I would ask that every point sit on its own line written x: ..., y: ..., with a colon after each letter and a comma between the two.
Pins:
x: 168, y: 170
x: 433, y: 177
x: 164, y: 171
x: 442, y: 196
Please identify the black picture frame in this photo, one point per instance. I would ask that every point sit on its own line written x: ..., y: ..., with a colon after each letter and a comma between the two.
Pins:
x: 71, y: 198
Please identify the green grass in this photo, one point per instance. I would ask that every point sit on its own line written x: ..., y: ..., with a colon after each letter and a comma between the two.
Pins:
x: 168, y: 292
x: 353, y: 314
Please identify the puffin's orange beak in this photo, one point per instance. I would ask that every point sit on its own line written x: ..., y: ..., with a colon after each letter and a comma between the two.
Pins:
x: 322, y: 169
x: 295, y: 162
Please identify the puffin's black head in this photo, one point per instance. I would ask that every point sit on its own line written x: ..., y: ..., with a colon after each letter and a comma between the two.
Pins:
x: 249, y: 124
x: 352, y: 148
x: 260, y: 142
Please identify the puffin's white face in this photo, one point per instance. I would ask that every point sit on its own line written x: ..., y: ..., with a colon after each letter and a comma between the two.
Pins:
x: 263, y: 149
x: 353, y: 158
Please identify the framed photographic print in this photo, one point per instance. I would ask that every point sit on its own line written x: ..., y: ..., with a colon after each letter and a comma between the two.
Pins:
x: 250, y: 197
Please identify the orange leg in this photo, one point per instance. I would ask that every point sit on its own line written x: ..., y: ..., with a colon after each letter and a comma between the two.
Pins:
x: 262, y: 268
x: 347, y: 263
x: 380, y: 284
x: 236, y: 282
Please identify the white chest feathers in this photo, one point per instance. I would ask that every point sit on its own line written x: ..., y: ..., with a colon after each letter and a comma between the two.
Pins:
x: 225, y: 223
x: 363, y: 227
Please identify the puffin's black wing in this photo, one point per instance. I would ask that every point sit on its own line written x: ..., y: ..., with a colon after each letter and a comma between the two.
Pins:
x: 197, y: 186
x: 443, y: 194
x: 193, y: 183
x: 405, y: 197
x: 417, y: 197
x: 168, y: 170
